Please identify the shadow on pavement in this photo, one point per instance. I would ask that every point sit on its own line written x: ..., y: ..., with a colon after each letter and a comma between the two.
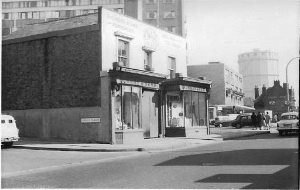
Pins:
x: 254, y: 157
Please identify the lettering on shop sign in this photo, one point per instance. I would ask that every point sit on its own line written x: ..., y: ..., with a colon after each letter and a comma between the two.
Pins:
x: 90, y: 120
x: 190, y: 88
x: 137, y: 83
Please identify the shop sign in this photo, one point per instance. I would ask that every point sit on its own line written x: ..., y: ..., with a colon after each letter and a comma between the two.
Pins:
x: 190, y: 88
x: 137, y: 83
x: 90, y: 120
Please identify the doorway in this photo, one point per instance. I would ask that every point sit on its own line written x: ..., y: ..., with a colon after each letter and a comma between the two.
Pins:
x: 150, y: 114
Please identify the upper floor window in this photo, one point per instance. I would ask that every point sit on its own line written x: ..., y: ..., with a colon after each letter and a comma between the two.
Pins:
x: 168, y: 1
x: 150, y: 1
x: 171, y: 29
x: 123, y: 52
x: 169, y: 14
x: 147, y: 60
x: 172, y: 66
x: 152, y: 15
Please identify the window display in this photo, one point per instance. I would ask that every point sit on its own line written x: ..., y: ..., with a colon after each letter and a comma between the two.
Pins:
x: 194, y: 109
x: 127, y: 108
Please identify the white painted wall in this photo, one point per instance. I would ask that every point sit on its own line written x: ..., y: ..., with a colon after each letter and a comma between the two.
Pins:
x: 164, y: 43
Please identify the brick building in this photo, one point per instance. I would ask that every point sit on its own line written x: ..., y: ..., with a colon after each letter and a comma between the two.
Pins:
x: 101, y: 78
x: 275, y: 99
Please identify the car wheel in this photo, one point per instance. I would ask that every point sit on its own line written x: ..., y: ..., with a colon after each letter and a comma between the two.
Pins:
x: 8, y: 144
x: 238, y: 126
x: 280, y: 133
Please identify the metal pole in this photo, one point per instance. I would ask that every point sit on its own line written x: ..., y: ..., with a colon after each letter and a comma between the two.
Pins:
x: 287, y: 81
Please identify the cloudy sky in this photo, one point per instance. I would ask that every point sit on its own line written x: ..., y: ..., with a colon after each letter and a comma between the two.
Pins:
x: 220, y: 30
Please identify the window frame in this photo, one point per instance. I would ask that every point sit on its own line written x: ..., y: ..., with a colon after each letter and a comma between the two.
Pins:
x: 172, y: 66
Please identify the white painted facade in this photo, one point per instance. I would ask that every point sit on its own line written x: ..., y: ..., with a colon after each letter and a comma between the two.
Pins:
x: 141, y: 36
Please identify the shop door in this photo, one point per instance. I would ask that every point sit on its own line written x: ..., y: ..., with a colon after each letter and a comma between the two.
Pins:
x: 150, y: 114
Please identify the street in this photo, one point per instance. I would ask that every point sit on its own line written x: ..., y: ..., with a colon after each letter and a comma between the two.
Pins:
x: 259, y: 162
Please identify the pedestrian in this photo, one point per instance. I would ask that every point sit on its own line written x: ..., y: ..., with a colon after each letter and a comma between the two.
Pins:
x: 259, y: 118
x: 268, y: 121
x: 254, y: 121
x: 275, y: 118
x: 263, y: 121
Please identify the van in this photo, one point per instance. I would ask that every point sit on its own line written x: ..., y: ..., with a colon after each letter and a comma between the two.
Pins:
x: 9, y: 130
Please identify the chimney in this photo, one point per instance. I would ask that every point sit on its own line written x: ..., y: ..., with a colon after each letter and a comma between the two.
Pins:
x: 264, y: 90
x: 178, y: 75
x: 256, y: 90
x: 276, y: 83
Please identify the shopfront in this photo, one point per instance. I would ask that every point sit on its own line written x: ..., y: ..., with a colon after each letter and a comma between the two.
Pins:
x: 135, y: 104
x: 186, y: 107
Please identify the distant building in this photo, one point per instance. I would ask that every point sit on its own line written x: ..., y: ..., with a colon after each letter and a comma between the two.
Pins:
x: 226, y: 96
x: 275, y: 98
x: 227, y: 84
x: 258, y: 68
x: 165, y: 14
x: 18, y: 13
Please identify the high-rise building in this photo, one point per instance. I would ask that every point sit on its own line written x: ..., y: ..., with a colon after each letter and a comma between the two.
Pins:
x: 18, y: 13
x: 165, y: 14
x: 259, y: 68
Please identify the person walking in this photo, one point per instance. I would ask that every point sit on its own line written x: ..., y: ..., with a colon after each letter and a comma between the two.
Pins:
x: 263, y: 121
x: 268, y: 121
x: 254, y: 121
x: 259, y: 118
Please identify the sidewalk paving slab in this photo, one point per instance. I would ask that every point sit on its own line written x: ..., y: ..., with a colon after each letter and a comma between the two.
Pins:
x: 153, y: 144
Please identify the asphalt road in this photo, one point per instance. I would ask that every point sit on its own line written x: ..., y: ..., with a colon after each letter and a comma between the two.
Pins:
x: 258, y: 162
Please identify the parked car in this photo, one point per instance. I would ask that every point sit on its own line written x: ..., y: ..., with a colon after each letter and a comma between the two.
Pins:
x: 225, y: 121
x: 289, y: 122
x: 9, y: 130
x: 242, y: 120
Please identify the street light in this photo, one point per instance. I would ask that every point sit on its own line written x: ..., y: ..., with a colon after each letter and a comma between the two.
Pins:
x: 286, y: 69
x: 286, y: 75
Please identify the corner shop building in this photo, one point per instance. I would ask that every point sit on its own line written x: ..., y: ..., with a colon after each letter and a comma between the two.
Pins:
x: 103, y: 78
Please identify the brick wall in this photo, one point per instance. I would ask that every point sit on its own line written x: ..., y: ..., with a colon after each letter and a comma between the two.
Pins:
x: 54, y: 72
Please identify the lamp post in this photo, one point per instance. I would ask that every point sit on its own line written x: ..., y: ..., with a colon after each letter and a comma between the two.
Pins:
x: 287, y: 81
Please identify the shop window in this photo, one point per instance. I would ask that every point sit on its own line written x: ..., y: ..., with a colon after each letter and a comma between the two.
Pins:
x: 127, y: 108
x: 123, y: 52
x: 172, y: 67
x: 194, y: 109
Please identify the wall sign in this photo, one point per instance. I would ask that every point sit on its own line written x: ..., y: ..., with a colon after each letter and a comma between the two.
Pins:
x: 272, y: 103
x: 137, y: 83
x: 90, y: 120
x: 190, y: 88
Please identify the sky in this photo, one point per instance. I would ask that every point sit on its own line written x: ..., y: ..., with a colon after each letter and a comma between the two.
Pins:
x: 220, y: 30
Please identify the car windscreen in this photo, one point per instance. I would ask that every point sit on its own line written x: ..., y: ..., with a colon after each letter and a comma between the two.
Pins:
x: 288, y: 117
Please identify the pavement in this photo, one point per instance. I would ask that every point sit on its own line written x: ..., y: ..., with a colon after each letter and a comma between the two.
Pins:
x: 154, y: 144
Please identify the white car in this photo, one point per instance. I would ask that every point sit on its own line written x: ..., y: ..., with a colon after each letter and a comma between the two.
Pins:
x: 9, y: 130
x: 289, y: 122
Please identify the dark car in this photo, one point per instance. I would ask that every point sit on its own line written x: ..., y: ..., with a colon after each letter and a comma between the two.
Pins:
x: 242, y: 120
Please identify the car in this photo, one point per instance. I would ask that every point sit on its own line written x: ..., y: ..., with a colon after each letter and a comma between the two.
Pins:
x: 242, y: 120
x: 289, y: 122
x: 224, y: 121
x: 9, y: 130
